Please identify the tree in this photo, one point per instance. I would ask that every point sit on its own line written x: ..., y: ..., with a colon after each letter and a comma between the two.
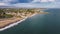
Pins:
x: 2, y: 12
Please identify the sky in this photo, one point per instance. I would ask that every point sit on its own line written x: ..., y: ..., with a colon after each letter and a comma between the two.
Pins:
x: 31, y: 3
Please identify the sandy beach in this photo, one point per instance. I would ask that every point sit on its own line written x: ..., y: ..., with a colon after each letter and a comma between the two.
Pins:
x: 7, y: 23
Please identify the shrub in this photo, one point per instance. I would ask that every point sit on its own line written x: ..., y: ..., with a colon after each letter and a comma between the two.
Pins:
x: 6, y: 16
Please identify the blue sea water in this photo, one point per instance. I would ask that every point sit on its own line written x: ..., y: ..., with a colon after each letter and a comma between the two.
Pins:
x: 38, y: 24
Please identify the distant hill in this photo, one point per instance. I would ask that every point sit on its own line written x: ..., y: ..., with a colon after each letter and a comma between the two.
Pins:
x: 7, y: 7
x: 19, y: 7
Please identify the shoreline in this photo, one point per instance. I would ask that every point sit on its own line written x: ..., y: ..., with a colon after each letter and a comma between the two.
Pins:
x: 16, y: 23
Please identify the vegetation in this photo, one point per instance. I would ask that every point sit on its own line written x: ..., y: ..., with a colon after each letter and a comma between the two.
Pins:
x: 4, y: 15
x: 4, y: 12
x: 1, y: 12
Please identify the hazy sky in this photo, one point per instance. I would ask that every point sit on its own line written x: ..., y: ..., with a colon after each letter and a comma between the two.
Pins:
x: 31, y: 3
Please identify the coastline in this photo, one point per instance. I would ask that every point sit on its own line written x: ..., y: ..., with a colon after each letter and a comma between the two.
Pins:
x: 16, y: 23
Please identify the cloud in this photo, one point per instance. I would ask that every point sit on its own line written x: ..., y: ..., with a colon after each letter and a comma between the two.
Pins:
x: 43, y: 0
x: 25, y: 1
x: 31, y: 4
x: 40, y: 5
x: 8, y: 1
x: 2, y: 4
x: 47, y: 0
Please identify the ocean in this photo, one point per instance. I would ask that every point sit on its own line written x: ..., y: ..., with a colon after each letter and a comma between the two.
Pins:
x: 38, y: 24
